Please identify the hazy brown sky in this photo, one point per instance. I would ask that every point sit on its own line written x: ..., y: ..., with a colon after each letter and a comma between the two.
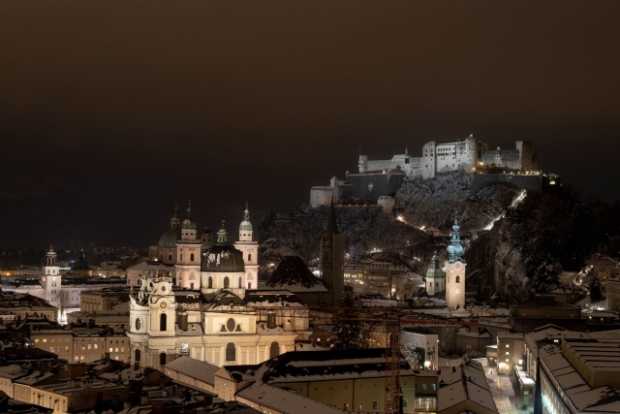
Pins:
x: 108, y: 108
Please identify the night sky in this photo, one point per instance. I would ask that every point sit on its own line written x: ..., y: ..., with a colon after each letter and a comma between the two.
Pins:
x: 112, y: 110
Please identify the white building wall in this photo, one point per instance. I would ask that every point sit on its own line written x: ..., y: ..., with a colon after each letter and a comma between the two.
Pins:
x: 455, y: 285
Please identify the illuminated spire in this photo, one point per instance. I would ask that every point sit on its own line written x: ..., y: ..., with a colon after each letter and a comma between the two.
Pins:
x: 222, y: 234
x: 50, y: 257
x: 455, y: 249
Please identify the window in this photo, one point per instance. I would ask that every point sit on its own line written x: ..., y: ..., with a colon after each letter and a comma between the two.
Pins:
x: 226, y: 282
x: 271, y: 321
x: 230, y: 324
x: 274, y: 350
x: 249, y: 285
x: 231, y: 352
x: 240, y: 284
x: 138, y: 324
x: 163, y: 319
x: 210, y: 284
x: 191, y: 257
x: 162, y: 359
x: 249, y: 257
x: 137, y: 357
x: 458, y: 279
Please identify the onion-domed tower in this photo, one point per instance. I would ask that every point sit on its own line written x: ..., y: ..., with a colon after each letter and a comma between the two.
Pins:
x: 454, y: 269
x: 187, y: 267
x: 249, y: 248
x: 435, y: 278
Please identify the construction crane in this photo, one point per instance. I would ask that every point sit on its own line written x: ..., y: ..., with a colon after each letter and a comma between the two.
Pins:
x: 393, y: 394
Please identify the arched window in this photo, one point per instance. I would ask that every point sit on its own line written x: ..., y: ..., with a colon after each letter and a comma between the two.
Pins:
x: 226, y: 282
x: 249, y: 257
x: 458, y: 279
x: 210, y: 284
x: 162, y: 359
x: 249, y: 285
x: 191, y: 257
x: 274, y: 350
x: 136, y: 356
x: 163, y: 321
x: 138, y: 324
x: 240, y: 283
x: 231, y: 352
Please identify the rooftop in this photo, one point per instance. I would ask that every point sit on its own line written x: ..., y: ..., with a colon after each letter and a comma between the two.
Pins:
x: 465, y: 384
x: 582, y: 396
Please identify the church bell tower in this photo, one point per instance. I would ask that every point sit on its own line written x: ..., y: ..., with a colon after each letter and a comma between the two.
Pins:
x: 187, y: 266
x: 249, y: 247
x: 454, y: 269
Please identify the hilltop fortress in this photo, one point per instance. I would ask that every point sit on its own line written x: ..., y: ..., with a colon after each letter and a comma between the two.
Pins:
x: 378, y: 180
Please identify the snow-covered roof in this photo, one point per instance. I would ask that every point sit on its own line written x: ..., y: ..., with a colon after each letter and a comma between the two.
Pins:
x: 280, y: 401
x: 465, y: 384
x: 200, y: 370
x: 574, y: 386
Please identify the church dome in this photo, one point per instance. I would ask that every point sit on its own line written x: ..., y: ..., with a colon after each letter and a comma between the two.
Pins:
x: 222, y: 258
x: 168, y: 239
x: 246, y: 224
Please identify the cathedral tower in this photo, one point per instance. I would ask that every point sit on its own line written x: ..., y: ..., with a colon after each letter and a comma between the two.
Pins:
x: 332, y: 259
x: 249, y: 248
x: 188, y: 254
x: 454, y: 268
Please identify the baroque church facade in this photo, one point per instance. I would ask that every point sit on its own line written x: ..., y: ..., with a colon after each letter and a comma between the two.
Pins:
x: 212, y: 310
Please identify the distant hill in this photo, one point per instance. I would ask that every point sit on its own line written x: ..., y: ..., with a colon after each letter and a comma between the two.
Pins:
x: 516, y: 243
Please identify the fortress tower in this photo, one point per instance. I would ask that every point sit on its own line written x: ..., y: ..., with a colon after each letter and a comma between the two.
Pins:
x: 188, y: 254
x: 454, y: 269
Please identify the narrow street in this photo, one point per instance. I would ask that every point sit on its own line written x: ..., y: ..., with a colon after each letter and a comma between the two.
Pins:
x: 503, y: 391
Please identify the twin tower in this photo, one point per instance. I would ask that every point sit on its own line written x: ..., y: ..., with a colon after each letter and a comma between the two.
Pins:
x: 219, y: 265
